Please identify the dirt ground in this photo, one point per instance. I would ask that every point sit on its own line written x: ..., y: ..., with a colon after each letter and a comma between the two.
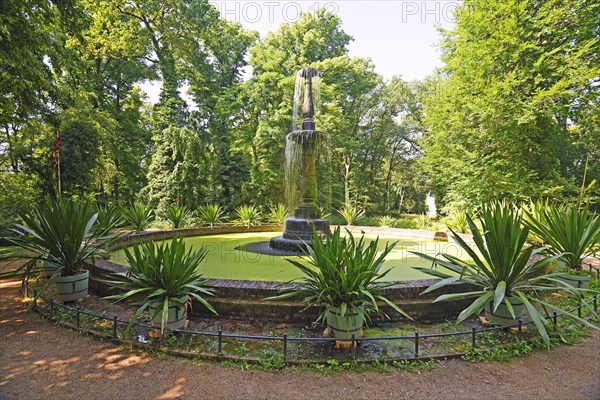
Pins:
x: 41, y: 361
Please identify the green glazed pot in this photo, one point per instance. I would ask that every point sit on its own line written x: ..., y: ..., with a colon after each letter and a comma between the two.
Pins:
x: 71, y: 288
x: 502, y: 316
x: 177, y: 315
x: 344, y: 327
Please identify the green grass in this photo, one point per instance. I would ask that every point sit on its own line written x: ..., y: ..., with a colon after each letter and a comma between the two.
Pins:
x: 224, y: 262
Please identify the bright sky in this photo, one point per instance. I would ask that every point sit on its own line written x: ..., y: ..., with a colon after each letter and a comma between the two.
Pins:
x: 399, y: 36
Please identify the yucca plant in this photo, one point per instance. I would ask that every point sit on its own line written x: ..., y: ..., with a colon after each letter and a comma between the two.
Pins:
x: 138, y: 215
x: 161, y: 276
x: 351, y: 214
x: 457, y: 221
x: 61, y: 235
x: 177, y: 215
x: 247, y: 215
x: 385, y: 221
x: 570, y: 233
x: 500, y: 269
x: 211, y: 214
x: 279, y: 213
x: 323, y: 213
x: 343, y: 275
x: 62, y: 232
x: 535, y: 211
x: 109, y: 216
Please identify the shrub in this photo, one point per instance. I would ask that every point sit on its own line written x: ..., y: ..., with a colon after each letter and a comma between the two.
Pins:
x: 138, y: 215
x: 211, y: 214
x: 279, y: 213
x: 351, y: 214
x: 247, y: 215
x: 177, y: 215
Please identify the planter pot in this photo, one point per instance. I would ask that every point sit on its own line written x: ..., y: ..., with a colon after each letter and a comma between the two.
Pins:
x: 502, y: 316
x: 344, y: 327
x: 71, y: 288
x: 177, y: 315
x: 578, y: 281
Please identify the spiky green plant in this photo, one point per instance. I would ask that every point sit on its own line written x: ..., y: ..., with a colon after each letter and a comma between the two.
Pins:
x: 161, y: 273
x: 211, y: 214
x: 247, y: 215
x: 279, y: 213
x: 344, y: 273
x: 177, y: 214
x: 323, y: 213
x: 109, y: 216
x: 138, y: 215
x: 569, y: 233
x: 500, y: 268
x: 457, y: 221
x: 386, y: 221
x: 351, y: 214
x: 62, y: 233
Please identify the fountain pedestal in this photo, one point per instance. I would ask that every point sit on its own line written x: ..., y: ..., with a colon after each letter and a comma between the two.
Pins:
x: 299, y: 229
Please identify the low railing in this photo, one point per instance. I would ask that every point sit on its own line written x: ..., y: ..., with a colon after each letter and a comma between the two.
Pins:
x: 218, y: 339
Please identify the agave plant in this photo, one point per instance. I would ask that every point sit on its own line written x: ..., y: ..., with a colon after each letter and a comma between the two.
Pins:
x: 60, y: 236
x: 62, y: 232
x: 211, y: 214
x: 279, y: 213
x: 109, y: 216
x: 138, y: 215
x: 344, y: 274
x: 161, y: 275
x: 386, y: 221
x: 247, y: 215
x: 500, y: 269
x: 351, y: 213
x: 177, y: 215
x: 569, y: 233
x: 457, y: 221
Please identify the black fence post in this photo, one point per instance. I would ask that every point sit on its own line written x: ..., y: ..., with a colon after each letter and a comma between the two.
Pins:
x: 579, y: 308
x: 416, y: 344
x: 554, y: 317
x: 353, y: 347
x: 78, y: 316
x: 473, y: 342
x: 115, y: 326
x: 520, y: 331
x: 285, y: 345
x: 220, y: 342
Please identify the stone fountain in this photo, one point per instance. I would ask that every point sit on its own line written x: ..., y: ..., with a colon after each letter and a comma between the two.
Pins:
x: 301, y: 153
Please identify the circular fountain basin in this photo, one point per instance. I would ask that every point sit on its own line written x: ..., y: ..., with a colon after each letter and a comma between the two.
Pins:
x: 242, y: 279
x: 228, y: 257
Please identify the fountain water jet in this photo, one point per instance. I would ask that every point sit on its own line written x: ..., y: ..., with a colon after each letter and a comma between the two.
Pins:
x: 301, y: 149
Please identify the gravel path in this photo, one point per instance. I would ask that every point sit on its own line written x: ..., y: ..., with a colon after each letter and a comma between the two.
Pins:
x: 41, y: 361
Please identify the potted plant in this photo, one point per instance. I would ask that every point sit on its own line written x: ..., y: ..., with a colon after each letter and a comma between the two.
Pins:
x: 342, y: 275
x: 162, y: 278
x: 501, y: 268
x: 61, y: 235
x: 571, y: 234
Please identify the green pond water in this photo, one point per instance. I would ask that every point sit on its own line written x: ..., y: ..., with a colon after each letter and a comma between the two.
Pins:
x: 223, y: 261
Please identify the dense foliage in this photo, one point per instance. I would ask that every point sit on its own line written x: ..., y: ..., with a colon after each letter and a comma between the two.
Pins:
x: 514, y: 113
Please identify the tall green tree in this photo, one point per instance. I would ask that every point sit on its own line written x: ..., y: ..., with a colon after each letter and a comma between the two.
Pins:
x: 519, y: 86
